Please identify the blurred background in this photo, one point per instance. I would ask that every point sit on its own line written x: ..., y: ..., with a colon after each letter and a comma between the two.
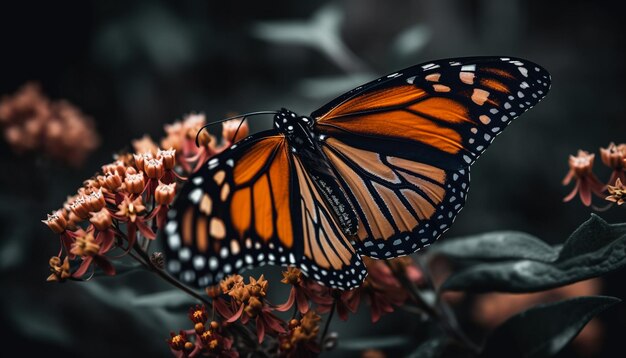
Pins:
x: 134, y: 66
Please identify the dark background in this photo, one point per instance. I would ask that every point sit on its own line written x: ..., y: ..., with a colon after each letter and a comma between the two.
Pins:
x: 135, y: 66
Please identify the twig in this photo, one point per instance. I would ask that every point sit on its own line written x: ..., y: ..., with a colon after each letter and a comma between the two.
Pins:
x: 330, y: 318
x: 169, y: 279
x: 445, y: 317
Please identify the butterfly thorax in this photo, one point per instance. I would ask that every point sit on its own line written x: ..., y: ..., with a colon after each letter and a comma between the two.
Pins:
x: 303, y: 143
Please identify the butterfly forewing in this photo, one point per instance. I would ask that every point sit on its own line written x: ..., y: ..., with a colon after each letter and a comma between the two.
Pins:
x: 252, y: 205
x: 402, y: 145
x: 443, y: 113
x: 235, y: 213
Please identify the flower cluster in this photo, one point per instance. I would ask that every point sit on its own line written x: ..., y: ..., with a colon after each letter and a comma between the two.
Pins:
x: 203, y: 340
x: 124, y: 205
x: 587, y: 183
x: 236, y: 301
x: 32, y: 122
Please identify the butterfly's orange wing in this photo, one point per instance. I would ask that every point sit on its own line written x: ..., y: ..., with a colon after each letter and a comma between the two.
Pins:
x: 402, y: 145
x: 252, y: 205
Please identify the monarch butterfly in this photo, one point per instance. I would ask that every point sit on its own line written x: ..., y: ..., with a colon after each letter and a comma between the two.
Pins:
x: 381, y: 171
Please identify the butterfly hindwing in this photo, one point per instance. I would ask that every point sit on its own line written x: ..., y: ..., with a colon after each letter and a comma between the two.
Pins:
x: 329, y: 256
x: 403, y: 205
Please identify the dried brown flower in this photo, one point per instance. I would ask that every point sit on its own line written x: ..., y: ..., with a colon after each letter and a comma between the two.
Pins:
x: 60, y: 269
x: 617, y: 192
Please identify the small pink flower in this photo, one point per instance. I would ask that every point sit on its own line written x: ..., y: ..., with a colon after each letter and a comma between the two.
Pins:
x: 581, y: 167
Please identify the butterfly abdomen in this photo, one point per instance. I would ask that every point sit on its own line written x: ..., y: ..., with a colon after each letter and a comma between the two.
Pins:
x: 302, y: 143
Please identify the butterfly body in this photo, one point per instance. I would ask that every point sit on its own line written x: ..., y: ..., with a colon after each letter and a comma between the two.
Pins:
x: 304, y: 143
x: 381, y: 171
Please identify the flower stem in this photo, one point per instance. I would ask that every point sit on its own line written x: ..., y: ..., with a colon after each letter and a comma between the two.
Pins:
x: 169, y: 279
x: 445, y: 316
x: 330, y: 318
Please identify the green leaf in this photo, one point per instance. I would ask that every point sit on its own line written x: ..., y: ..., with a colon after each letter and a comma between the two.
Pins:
x: 544, y: 330
x: 594, y: 249
x: 441, y: 347
x: 496, y: 246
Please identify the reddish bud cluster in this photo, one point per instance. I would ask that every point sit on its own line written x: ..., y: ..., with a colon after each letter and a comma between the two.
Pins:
x: 31, y: 122
x: 132, y: 193
x: 587, y: 183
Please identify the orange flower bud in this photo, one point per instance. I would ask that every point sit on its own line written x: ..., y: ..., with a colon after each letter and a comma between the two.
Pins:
x: 199, y: 327
x: 112, y: 181
x: 56, y: 222
x: 102, y: 219
x: 80, y: 208
x: 91, y: 184
x: 214, y: 325
x: 229, y: 130
x: 116, y: 167
x: 135, y: 183
x: 139, y: 160
x: 154, y: 168
x: 169, y: 158
x: 164, y: 193
x: 95, y: 201
x: 581, y: 164
x: 131, y: 170
x: 612, y: 156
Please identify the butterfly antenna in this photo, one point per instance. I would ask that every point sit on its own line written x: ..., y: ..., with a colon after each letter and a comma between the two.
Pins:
x: 242, y: 116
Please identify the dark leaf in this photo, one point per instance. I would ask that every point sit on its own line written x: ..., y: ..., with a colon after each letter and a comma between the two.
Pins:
x: 544, y: 330
x: 364, y: 343
x: 441, y: 347
x: 432, y: 348
x: 497, y: 246
x: 594, y: 249
x: 172, y: 299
